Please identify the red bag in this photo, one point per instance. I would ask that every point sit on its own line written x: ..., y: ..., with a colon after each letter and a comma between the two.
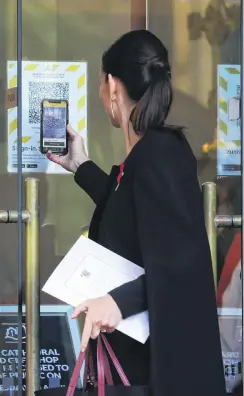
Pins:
x: 103, y: 386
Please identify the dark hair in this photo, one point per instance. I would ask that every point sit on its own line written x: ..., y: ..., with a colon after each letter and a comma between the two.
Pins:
x: 140, y: 61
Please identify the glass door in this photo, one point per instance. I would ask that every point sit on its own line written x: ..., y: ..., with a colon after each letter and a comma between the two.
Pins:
x: 55, y: 49
x: 12, y: 323
x: 204, y: 39
x: 59, y: 50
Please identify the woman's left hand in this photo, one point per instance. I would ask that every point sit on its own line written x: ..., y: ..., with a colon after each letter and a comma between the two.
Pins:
x: 102, y: 314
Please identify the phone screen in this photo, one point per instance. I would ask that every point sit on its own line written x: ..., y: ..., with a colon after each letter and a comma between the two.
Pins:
x: 54, y: 124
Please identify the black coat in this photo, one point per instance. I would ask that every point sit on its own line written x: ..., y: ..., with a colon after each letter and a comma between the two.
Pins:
x: 155, y: 219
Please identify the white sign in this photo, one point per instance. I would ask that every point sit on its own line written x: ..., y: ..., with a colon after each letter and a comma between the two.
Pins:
x: 90, y: 271
x: 44, y: 80
x: 229, y: 121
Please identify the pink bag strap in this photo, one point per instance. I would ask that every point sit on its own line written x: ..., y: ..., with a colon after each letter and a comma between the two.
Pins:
x: 107, y: 370
x: 86, y: 368
x: 115, y: 361
x: 103, y: 368
x: 89, y: 366
x: 100, y: 368
x: 76, y: 374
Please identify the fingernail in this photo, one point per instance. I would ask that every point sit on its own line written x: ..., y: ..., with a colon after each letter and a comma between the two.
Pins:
x: 83, y: 349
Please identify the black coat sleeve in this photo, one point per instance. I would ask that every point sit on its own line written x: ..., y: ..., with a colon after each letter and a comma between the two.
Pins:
x: 131, y: 297
x: 92, y: 180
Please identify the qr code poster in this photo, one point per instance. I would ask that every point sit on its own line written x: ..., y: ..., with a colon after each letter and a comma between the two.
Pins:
x: 44, y: 80
x: 229, y: 121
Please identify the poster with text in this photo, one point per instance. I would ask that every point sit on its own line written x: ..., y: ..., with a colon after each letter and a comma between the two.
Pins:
x: 59, y: 348
x: 231, y: 341
x: 44, y: 80
x: 229, y: 132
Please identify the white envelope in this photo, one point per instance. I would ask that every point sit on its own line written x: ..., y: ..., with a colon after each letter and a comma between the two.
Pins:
x: 88, y: 271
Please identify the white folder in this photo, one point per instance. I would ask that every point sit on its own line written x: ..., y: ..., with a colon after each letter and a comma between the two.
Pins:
x: 88, y: 271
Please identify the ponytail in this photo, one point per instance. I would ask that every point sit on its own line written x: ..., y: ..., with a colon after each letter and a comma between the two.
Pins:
x: 152, y: 109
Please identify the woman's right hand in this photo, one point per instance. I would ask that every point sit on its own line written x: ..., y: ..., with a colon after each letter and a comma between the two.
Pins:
x: 76, y: 152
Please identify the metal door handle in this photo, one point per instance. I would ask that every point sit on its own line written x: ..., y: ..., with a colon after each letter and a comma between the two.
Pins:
x: 214, y: 221
x: 31, y: 218
x: 228, y: 221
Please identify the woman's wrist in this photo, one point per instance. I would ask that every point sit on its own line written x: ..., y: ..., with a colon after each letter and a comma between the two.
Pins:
x: 78, y: 163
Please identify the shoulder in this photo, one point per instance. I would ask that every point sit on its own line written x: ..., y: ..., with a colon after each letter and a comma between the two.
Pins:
x: 166, y: 150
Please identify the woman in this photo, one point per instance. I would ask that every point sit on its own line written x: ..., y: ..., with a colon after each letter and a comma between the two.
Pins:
x: 149, y: 210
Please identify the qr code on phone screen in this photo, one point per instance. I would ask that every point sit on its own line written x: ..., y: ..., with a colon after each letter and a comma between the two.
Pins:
x: 44, y: 90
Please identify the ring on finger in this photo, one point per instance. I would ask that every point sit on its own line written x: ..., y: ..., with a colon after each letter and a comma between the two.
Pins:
x: 103, y: 328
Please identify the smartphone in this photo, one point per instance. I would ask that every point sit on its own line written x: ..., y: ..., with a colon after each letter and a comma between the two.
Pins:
x: 54, y: 120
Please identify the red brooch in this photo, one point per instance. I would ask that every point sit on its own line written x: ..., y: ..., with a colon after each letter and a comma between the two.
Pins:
x: 120, y: 175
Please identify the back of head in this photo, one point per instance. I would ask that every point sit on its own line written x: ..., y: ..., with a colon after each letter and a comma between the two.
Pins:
x: 140, y: 61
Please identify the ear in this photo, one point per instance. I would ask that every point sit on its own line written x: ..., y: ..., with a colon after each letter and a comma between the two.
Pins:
x: 112, y: 84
